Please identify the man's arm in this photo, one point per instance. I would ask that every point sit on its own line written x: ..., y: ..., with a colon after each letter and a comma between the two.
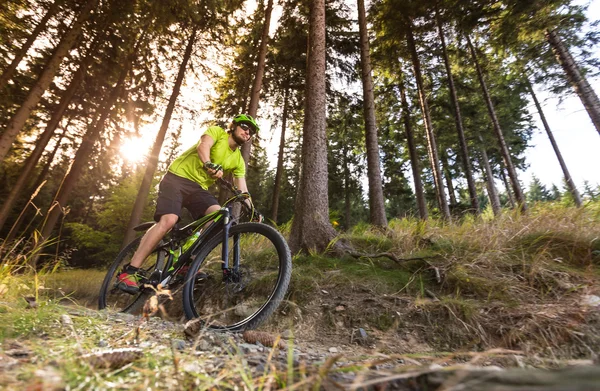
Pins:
x: 204, y: 146
x: 240, y: 183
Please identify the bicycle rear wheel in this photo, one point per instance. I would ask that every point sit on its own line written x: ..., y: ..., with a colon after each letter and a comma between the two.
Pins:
x: 115, y: 299
x: 238, y: 299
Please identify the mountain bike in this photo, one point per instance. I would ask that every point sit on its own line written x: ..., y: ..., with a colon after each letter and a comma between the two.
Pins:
x: 234, y: 274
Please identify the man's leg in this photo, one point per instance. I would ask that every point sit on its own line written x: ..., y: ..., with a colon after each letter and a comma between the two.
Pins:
x: 152, y: 237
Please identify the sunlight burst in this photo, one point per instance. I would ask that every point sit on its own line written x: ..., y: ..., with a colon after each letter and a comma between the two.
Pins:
x: 134, y: 149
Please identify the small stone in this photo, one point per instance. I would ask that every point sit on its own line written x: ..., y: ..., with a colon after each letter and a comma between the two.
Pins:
x: 66, y: 320
x: 362, y: 333
x: 590, y: 300
x: 333, y: 350
x: 204, y: 345
x: 340, y: 308
x: 102, y: 343
x: 179, y: 344
x: 248, y: 348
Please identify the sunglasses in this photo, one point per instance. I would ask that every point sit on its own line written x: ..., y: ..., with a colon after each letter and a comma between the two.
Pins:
x: 248, y: 128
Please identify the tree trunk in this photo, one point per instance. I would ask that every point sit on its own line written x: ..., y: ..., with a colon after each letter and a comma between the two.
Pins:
x: 81, y: 159
x: 311, y: 229
x: 152, y: 163
x: 44, y: 138
x: 464, y: 151
x: 489, y: 179
x: 260, y: 71
x: 10, y: 70
x: 448, y: 177
x: 279, y: 173
x: 568, y: 179
x: 376, y: 203
x: 414, y: 158
x: 580, y: 84
x: 347, y: 211
x: 431, y: 143
x: 512, y: 173
x: 509, y: 194
x: 35, y: 94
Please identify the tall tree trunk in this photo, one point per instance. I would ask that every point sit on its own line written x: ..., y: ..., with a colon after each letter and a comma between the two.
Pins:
x: 489, y: 179
x: 509, y: 193
x: 10, y: 70
x: 414, y: 158
x: 580, y: 84
x: 376, y: 203
x: 512, y: 173
x: 152, y: 163
x: 448, y: 177
x: 464, y: 151
x: 568, y: 179
x: 258, y: 79
x: 311, y: 229
x: 44, y: 138
x: 431, y: 143
x: 347, y: 212
x: 279, y: 172
x: 82, y: 157
x: 35, y: 94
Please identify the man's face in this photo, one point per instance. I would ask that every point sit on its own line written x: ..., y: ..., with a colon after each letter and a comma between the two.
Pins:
x: 242, y: 133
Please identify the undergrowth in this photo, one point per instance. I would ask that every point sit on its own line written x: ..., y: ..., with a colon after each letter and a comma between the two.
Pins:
x: 514, y: 281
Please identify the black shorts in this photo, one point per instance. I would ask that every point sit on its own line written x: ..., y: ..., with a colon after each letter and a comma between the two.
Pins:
x: 175, y: 192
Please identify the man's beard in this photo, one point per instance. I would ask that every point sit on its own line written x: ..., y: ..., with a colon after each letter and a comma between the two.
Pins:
x: 238, y: 140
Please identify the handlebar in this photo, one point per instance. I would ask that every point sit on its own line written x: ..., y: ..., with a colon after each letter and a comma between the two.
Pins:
x: 242, y: 196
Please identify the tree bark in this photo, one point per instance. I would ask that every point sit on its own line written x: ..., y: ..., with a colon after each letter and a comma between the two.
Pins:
x: 512, y: 173
x: 489, y: 179
x: 258, y: 79
x: 448, y: 177
x: 44, y: 138
x: 152, y: 163
x: 568, y: 179
x: 35, y: 94
x: 376, y: 202
x: 509, y: 194
x: 10, y: 70
x: 464, y: 151
x: 414, y: 159
x: 279, y: 172
x: 580, y: 84
x: 347, y: 211
x: 311, y: 229
x: 431, y: 142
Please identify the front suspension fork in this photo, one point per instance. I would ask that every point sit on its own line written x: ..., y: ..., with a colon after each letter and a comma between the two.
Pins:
x: 230, y: 272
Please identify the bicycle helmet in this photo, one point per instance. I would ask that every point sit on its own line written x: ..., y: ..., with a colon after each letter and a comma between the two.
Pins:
x: 246, y: 119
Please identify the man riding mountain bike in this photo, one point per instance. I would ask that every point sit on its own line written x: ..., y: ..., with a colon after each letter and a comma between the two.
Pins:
x: 186, y: 185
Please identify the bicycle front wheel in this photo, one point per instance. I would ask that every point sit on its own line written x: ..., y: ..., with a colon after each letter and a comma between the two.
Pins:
x: 250, y: 290
x: 111, y: 296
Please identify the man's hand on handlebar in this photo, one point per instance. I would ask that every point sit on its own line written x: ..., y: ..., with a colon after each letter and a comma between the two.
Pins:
x: 213, y: 169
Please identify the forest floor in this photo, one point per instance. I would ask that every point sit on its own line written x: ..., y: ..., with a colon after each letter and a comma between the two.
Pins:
x: 350, y: 339
x: 512, y: 304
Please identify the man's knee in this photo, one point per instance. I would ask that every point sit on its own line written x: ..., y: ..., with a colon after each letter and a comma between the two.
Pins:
x: 167, y: 222
x: 212, y: 208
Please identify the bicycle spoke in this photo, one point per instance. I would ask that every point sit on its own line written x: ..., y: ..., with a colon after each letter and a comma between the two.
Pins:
x: 233, y: 298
